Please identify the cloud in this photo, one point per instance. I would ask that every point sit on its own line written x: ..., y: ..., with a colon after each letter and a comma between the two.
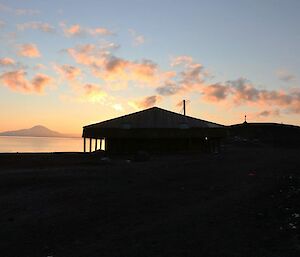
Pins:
x: 180, y: 103
x: 92, y: 93
x: 112, y: 69
x: 242, y: 91
x: 7, y: 61
x: 100, y: 31
x: 285, y: 76
x: 78, y: 30
x: 191, y: 77
x: 68, y: 72
x: 87, y: 92
x: 17, y: 81
x: 137, y: 38
x: 39, y: 82
x: 36, y: 25
x: 40, y: 66
x: 267, y: 113
x: 146, y: 102
x: 193, y: 74
x: 29, y: 50
x: 169, y: 88
x: 183, y: 59
x: 74, y: 30
x: 215, y: 92
x: 18, y: 11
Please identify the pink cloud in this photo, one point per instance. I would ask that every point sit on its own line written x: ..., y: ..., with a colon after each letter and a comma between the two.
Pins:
x: 74, y: 30
x: 29, y: 50
x: 114, y: 69
x: 17, y: 81
x: 190, y: 78
x: 7, y: 61
x: 99, y: 31
x: 183, y: 59
x: 215, y: 92
x: 68, y: 72
x: 78, y: 30
x: 146, y: 102
x: 242, y: 91
x: 285, y: 75
x: 39, y: 82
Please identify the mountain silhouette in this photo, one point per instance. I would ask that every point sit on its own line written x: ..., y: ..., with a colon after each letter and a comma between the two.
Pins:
x: 36, y: 131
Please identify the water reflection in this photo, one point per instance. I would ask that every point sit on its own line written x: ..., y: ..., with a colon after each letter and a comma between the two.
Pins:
x: 40, y: 144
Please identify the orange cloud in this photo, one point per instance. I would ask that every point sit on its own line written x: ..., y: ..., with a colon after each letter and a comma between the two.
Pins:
x: 93, y: 93
x: 113, y: 69
x: 191, y: 78
x: 77, y: 30
x: 99, y: 31
x: 17, y: 81
x: 7, y: 61
x: 87, y: 93
x: 73, y: 30
x: 215, y: 92
x: 29, y: 50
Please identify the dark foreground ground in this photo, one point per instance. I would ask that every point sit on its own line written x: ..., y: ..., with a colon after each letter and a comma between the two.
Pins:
x: 243, y: 202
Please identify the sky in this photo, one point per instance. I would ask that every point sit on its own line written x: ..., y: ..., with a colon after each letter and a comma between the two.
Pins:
x: 65, y: 64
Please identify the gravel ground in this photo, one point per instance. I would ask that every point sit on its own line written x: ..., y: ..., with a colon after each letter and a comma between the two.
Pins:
x: 241, y: 202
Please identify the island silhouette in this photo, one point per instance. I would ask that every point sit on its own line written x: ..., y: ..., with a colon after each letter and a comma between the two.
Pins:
x: 36, y: 131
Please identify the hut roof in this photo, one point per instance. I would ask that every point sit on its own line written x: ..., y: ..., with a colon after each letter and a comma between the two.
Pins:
x: 153, y: 118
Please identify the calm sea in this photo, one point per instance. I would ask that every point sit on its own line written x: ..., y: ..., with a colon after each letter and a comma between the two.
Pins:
x: 40, y: 144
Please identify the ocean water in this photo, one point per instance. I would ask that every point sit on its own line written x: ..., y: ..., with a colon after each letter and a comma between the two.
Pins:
x: 40, y: 144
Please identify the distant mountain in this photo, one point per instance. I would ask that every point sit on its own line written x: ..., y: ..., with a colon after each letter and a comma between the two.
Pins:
x: 36, y: 131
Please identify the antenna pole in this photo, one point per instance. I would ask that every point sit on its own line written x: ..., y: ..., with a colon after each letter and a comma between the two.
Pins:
x: 184, y: 107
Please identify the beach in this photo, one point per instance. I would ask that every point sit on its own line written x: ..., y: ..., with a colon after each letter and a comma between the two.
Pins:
x: 243, y: 201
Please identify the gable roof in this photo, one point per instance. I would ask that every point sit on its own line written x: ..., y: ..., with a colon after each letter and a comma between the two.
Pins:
x: 154, y: 118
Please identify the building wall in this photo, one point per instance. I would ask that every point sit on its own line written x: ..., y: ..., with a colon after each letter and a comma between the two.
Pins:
x: 127, y: 145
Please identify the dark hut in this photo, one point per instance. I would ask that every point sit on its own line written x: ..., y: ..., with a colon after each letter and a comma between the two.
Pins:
x: 154, y: 130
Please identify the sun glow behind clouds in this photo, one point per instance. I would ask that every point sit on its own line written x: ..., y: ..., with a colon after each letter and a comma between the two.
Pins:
x: 99, y: 69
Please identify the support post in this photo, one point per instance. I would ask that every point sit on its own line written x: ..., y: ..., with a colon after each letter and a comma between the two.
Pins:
x: 96, y: 144
x: 84, y: 144
x: 90, y: 145
x: 100, y: 143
